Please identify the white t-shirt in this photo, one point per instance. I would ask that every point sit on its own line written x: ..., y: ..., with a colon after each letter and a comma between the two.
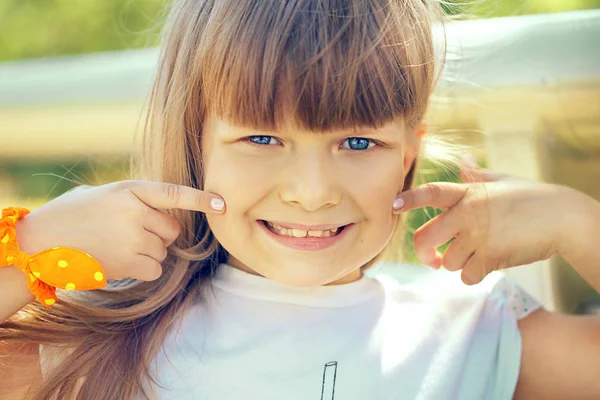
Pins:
x: 421, y: 335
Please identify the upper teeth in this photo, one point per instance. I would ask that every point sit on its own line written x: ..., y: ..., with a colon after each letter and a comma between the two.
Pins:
x: 300, y: 232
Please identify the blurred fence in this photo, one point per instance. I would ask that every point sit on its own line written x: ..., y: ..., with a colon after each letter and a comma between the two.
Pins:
x: 524, y: 91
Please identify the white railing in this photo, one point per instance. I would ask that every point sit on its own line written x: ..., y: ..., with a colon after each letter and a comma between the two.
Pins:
x: 514, y: 80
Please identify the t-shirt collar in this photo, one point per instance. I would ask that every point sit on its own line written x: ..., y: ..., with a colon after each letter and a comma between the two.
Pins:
x: 258, y: 287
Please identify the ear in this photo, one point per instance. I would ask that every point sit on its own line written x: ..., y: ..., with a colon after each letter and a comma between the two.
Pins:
x: 412, y: 148
x: 409, y: 177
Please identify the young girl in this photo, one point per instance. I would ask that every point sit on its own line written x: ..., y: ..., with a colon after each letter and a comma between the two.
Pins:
x: 281, y: 144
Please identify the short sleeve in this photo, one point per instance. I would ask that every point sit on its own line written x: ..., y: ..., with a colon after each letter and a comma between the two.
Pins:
x: 510, y: 303
x: 486, y: 362
x: 516, y: 299
x: 51, y: 357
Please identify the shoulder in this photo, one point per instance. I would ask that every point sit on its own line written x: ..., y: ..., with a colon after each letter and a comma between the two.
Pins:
x: 446, y: 288
x: 51, y: 357
x: 50, y: 360
x: 20, y: 368
x: 481, y: 321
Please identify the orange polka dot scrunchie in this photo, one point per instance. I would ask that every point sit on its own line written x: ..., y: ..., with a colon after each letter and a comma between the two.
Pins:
x: 58, y: 267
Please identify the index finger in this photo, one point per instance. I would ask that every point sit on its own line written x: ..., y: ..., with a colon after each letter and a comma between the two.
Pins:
x: 165, y: 195
x: 436, y: 194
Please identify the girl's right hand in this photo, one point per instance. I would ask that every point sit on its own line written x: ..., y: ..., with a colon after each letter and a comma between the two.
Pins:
x: 120, y: 224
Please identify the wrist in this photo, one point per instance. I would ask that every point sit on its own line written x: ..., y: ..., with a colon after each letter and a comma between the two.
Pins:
x: 17, y: 288
x: 26, y: 235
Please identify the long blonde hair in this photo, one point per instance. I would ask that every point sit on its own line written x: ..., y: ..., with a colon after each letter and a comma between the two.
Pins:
x: 327, y: 64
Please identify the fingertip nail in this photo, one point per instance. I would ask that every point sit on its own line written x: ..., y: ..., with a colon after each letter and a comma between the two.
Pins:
x: 398, y: 204
x: 217, y: 204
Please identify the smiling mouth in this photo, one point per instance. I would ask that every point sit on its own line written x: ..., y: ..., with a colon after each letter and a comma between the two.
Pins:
x: 300, y: 233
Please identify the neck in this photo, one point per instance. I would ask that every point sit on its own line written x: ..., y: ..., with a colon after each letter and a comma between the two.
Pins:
x: 348, y: 278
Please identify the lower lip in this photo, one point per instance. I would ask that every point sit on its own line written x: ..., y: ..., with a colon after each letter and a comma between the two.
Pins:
x: 306, y: 243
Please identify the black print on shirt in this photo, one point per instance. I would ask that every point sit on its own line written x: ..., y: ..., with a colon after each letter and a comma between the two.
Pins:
x: 328, y: 385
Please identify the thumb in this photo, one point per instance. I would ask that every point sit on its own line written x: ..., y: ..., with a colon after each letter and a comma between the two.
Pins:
x: 437, y: 194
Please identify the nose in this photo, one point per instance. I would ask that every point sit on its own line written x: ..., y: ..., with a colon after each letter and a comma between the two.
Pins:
x: 310, y: 182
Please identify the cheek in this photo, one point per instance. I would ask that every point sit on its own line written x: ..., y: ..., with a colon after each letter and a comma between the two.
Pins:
x: 239, y: 181
x: 376, y: 188
x: 376, y: 185
x: 242, y: 184
x: 235, y: 186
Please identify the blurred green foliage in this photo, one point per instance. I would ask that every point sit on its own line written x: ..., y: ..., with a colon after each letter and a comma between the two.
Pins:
x: 41, y: 28
x: 44, y: 181
x: 504, y: 8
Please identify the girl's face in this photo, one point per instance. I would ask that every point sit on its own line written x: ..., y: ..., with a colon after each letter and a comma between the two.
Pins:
x: 286, y: 192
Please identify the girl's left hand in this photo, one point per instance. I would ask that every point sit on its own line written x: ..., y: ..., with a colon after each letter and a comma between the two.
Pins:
x: 496, y: 222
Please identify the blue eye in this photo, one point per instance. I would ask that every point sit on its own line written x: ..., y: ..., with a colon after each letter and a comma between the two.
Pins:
x: 357, y: 143
x: 263, y: 140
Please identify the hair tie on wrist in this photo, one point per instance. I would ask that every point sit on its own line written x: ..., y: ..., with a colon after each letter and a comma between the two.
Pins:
x: 58, y: 267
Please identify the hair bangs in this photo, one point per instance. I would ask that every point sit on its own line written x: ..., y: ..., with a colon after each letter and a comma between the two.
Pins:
x: 333, y: 65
